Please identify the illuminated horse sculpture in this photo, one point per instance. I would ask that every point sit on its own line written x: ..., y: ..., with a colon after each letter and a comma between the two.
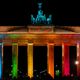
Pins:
x: 41, y: 18
x: 49, y: 19
x: 33, y: 20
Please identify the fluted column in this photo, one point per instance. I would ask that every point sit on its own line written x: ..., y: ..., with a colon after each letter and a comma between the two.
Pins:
x: 1, y: 60
x: 65, y: 60
x: 50, y: 59
x: 14, y: 60
x: 78, y: 59
x: 30, y: 59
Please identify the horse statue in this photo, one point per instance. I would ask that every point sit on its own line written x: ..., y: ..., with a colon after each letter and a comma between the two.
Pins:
x: 40, y: 17
x: 49, y: 19
x: 33, y: 20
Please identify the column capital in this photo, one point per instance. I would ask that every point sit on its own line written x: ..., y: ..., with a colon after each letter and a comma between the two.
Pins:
x: 50, y: 43
x: 14, y: 43
x: 67, y: 44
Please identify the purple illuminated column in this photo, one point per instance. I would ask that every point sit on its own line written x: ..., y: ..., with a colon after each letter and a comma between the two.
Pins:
x: 78, y: 59
x: 65, y: 60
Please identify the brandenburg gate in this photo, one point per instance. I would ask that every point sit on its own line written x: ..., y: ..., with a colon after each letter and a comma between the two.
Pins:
x: 50, y: 39
x: 37, y: 36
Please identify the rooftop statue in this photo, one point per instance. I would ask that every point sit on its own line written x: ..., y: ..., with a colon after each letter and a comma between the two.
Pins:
x: 41, y: 18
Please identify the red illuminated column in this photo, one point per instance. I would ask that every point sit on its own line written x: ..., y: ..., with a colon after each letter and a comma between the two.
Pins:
x: 65, y: 60
x: 50, y: 59
x: 78, y: 59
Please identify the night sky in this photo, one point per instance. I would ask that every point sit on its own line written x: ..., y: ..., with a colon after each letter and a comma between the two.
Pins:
x: 18, y: 12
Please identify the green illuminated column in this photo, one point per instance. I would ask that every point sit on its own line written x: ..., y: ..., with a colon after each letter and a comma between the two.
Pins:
x: 14, y: 60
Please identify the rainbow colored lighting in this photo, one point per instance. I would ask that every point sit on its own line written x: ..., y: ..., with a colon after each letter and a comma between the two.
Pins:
x: 13, y: 35
x: 2, y: 36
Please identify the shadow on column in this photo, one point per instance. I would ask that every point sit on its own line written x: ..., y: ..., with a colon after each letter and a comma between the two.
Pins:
x: 73, y: 66
x: 40, y: 61
x: 7, y: 62
x: 58, y: 61
x: 22, y: 61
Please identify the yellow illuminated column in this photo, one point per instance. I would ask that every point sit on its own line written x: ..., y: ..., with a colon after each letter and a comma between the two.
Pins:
x: 14, y: 60
x: 65, y: 60
x: 50, y: 59
x: 30, y: 59
x: 78, y: 59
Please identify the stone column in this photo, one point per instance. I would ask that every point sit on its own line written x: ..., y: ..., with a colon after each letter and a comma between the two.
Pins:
x: 1, y: 60
x: 78, y: 59
x: 50, y: 59
x: 14, y: 60
x: 65, y: 60
x: 30, y: 59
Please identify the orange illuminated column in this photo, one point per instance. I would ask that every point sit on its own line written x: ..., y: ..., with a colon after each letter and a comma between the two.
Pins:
x: 65, y: 60
x: 30, y: 59
x: 50, y: 59
x: 78, y: 59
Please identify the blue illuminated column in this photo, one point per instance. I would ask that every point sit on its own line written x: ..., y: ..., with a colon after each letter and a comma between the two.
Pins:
x: 1, y: 57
